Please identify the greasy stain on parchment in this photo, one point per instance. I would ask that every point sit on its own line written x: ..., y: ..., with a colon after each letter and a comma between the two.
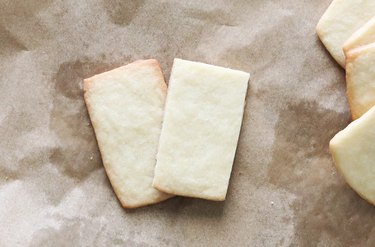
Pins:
x: 18, y: 18
x: 77, y: 154
x: 122, y: 12
x: 301, y: 163
x: 9, y: 43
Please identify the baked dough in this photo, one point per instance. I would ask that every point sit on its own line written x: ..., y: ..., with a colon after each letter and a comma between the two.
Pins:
x: 126, y: 110
x: 202, y: 122
x: 340, y: 21
x: 353, y: 151
x: 363, y: 36
x: 360, y: 77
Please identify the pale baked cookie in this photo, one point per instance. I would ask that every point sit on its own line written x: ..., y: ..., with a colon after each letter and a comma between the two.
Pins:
x: 353, y: 151
x: 126, y: 111
x: 202, y: 122
x: 340, y: 21
x: 360, y: 79
x: 363, y: 36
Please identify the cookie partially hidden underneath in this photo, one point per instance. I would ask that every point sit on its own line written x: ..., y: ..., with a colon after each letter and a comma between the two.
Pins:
x: 360, y: 79
x: 353, y: 151
x: 126, y: 110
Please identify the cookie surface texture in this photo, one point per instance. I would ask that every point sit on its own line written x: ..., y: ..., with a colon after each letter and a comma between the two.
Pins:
x: 201, y: 127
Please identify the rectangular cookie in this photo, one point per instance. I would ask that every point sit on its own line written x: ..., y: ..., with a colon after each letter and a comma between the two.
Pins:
x: 126, y: 110
x: 201, y: 126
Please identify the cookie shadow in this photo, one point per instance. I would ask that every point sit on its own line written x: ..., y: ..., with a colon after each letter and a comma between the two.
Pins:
x: 178, y: 205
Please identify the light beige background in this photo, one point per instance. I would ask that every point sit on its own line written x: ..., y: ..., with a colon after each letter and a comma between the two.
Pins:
x: 284, y: 189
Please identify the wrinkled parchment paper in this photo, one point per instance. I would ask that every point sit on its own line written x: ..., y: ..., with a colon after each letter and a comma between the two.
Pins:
x: 284, y: 189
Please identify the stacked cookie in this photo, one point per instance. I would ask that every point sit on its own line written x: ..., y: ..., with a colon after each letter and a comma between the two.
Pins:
x: 347, y: 29
x: 156, y: 143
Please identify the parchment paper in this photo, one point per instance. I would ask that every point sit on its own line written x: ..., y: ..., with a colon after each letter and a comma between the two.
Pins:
x: 284, y: 189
